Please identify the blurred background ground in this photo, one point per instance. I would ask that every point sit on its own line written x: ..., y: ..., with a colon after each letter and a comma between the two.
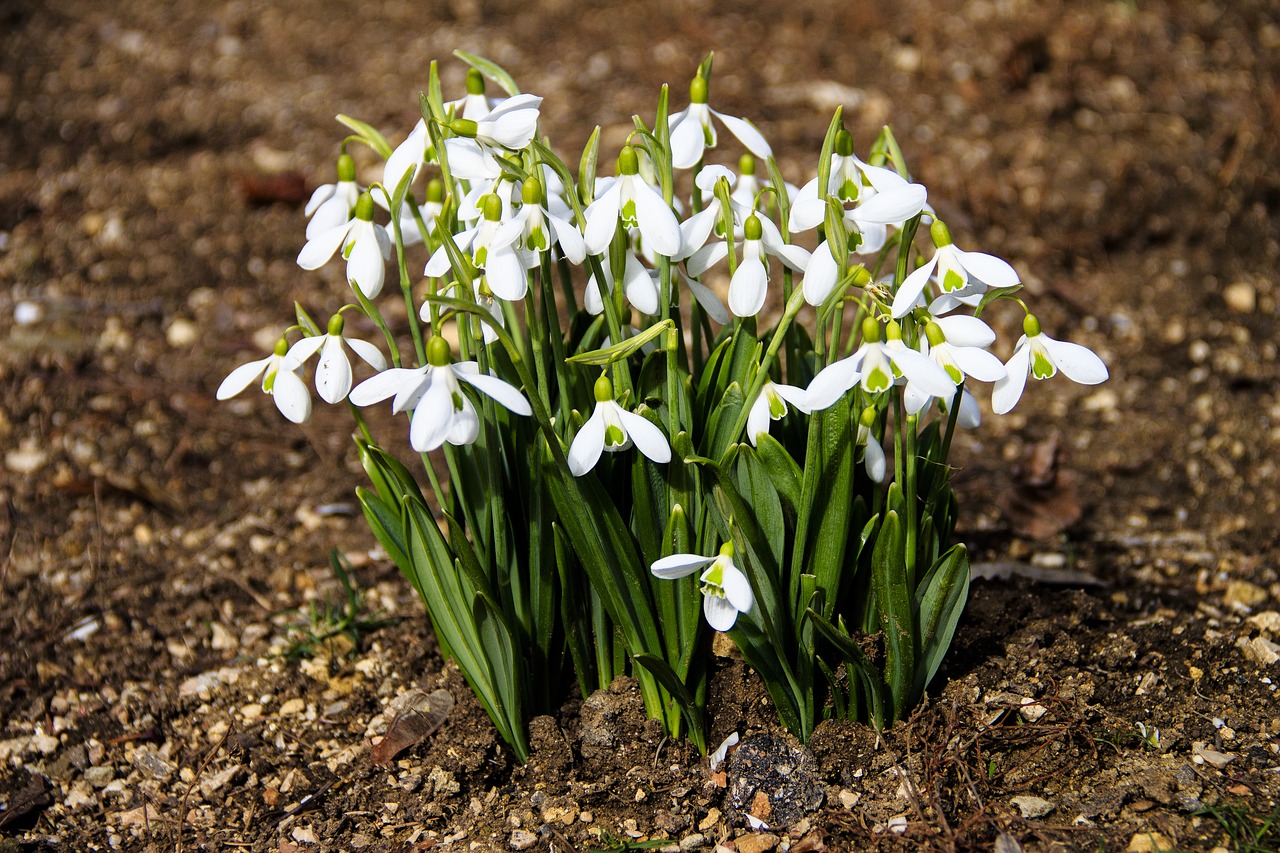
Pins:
x: 153, y: 161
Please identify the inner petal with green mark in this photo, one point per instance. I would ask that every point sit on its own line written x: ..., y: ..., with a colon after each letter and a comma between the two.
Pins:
x: 628, y: 212
x: 614, y: 436
x: 712, y: 580
x: 952, y: 280
x: 777, y: 408
x: 1042, y: 367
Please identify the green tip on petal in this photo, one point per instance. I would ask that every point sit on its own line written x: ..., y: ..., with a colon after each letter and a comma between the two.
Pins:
x: 934, y: 333
x: 336, y: 324
x: 747, y: 165
x: 492, y: 208
x: 628, y: 161
x: 940, y: 233
x: 868, y: 417
x: 752, y: 229
x: 726, y: 550
x: 844, y: 143
x: 604, y: 389
x: 346, y: 169
x: 475, y: 82
x: 464, y: 127
x: 1030, y: 325
x: 870, y: 330
x: 531, y: 192
x: 698, y: 90
x: 435, y: 191
x: 364, y: 208
x: 282, y: 347
x: 438, y: 352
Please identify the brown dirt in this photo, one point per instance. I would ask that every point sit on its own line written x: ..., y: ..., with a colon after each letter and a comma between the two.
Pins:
x: 1121, y: 155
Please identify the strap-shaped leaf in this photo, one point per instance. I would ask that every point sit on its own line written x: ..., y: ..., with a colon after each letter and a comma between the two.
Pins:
x: 756, y: 486
x: 822, y: 526
x: 490, y: 69
x: 368, y: 134
x: 388, y: 530
x: 623, y: 349
x: 783, y: 471
x: 941, y: 599
x: 856, y: 661
x: 690, y: 708
x: 499, y: 647
x: 894, y: 613
x: 587, y: 167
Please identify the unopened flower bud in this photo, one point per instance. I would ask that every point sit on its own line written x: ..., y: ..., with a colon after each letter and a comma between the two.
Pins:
x: 464, y: 127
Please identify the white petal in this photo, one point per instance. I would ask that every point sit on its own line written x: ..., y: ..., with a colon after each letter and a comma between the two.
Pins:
x: 707, y: 257
x: 241, y: 378
x: 821, y: 276
x: 368, y: 352
x: 471, y: 162
x: 377, y: 388
x: 641, y: 289
x: 709, y: 175
x: 500, y: 391
x: 832, y: 383
x: 318, y: 250
x: 408, y: 155
x: 970, y: 416
x: 808, y: 210
x: 592, y: 298
x: 658, y: 225
x: 708, y: 300
x: 797, y: 397
x: 587, y: 445
x: 506, y: 274
x: 648, y: 439
x: 750, y: 137
x: 880, y: 178
x: 1079, y: 363
x: 978, y: 363
x: 795, y: 257
x: 301, y: 351
x: 748, y: 287
x: 687, y: 141
x: 873, y: 459
x: 365, y: 265
x: 922, y: 370
x: 695, y: 230
x: 892, y: 206
x: 988, y: 268
x: 569, y: 238
x: 602, y: 219
x: 334, y: 212
x: 719, y: 613
x: 915, y: 398
x: 737, y: 589
x: 758, y: 419
x: 1007, y: 391
x: 965, y: 331
x: 466, y: 425
x: 679, y: 565
x: 333, y: 371
x: 908, y: 295
x: 323, y: 193
x: 291, y: 396
x: 432, y: 418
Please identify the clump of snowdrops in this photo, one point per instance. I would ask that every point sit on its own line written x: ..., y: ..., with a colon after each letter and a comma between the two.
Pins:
x: 630, y: 464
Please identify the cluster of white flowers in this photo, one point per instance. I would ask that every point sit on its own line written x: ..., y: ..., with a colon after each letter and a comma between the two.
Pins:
x: 512, y: 208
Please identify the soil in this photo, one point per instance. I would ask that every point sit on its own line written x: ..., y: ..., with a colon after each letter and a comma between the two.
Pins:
x: 157, y: 546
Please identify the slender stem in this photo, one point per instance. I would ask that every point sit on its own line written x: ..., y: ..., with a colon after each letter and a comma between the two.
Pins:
x: 762, y: 373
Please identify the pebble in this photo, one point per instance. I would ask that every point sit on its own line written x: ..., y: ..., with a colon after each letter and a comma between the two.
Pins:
x: 27, y: 313
x: 693, y: 842
x: 1241, y: 297
x: 1241, y: 593
x: 1148, y: 841
x: 756, y: 842
x: 100, y: 777
x: 712, y: 818
x: 1201, y: 754
x: 210, y: 785
x: 1267, y: 620
x: 1260, y: 651
x: 25, y: 460
x: 182, y: 333
x: 1032, y: 807
x: 292, y: 706
x: 221, y: 638
x: 523, y: 839
x: 848, y: 799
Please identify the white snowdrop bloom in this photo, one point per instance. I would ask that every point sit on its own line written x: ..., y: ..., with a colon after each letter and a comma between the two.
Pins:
x: 491, y: 244
x: 961, y: 277
x: 850, y: 180
x: 725, y: 589
x: 957, y: 345
x: 510, y: 125
x: 749, y: 285
x: 692, y: 132
x: 637, y: 282
x: 408, y: 156
x: 331, y: 204
x: 540, y: 228
x: 637, y: 204
x: 1042, y: 357
x: 876, y: 366
x: 771, y: 405
x: 364, y: 244
x: 873, y: 458
x: 615, y: 429
x: 285, y: 386
x: 441, y: 411
x: 333, y: 370
x: 428, y: 209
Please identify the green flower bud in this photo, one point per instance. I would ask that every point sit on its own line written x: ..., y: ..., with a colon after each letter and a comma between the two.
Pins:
x: 1030, y: 325
x: 475, y: 82
x: 438, y: 352
x: 860, y: 276
x: 747, y: 165
x: 492, y: 208
x: 844, y: 143
x: 531, y: 192
x: 628, y: 161
x: 871, y: 330
x: 868, y: 417
x: 364, y: 208
x: 336, y: 324
x: 604, y: 389
x: 698, y: 90
x: 934, y: 333
x: 940, y: 233
x: 464, y: 127
x: 751, y: 229
x: 435, y: 191
x: 346, y: 168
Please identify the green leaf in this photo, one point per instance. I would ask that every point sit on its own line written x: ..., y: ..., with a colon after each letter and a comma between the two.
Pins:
x: 894, y: 613
x: 432, y: 101
x: 855, y: 659
x: 822, y: 526
x: 500, y: 651
x: 623, y: 349
x: 368, y: 134
x: 305, y: 321
x: 755, y: 485
x: 994, y: 294
x: 689, y: 706
x: 941, y: 599
x: 828, y: 148
x: 490, y: 69
x: 783, y: 471
x: 587, y: 168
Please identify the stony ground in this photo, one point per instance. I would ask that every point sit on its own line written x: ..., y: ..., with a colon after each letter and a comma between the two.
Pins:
x: 1114, y: 680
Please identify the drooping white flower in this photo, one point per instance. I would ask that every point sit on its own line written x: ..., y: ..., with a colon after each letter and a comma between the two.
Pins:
x: 873, y: 458
x: 333, y: 371
x: 1042, y: 357
x: 510, y: 125
x: 637, y: 204
x: 637, y: 282
x: 331, y: 204
x: 850, y: 180
x: 876, y: 365
x: 961, y: 277
x: 285, y: 386
x: 492, y: 247
x: 540, y: 228
x: 408, y: 156
x: 749, y: 285
x: 615, y: 429
x: 725, y: 589
x: 441, y: 411
x: 957, y: 345
x: 692, y: 132
x: 771, y: 405
x: 364, y: 244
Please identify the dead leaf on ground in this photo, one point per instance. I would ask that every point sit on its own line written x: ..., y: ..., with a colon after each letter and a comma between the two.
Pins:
x: 421, y: 715
x: 1043, y: 501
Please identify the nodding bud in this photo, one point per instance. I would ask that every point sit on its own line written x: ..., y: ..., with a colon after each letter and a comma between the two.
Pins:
x: 282, y: 347
x: 438, y: 353
x: 346, y: 169
x: 870, y: 330
x: 435, y: 191
x: 844, y: 143
x: 1030, y: 325
x: 475, y: 82
x: 531, y: 192
x: 726, y: 550
x: 492, y: 207
x: 747, y: 165
x: 364, y: 207
x: 464, y: 127
x: 933, y: 332
x: 698, y: 90
x: 628, y: 161
x: 868, y: 417
x: 336, y: 324
x: 859, y: 276
x: 752, y: 230
x: 604, y: 389
x: 940, y: 233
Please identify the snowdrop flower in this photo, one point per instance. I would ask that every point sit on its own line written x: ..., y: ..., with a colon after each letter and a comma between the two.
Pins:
x: 510, y: 125
x: 613, y: 428
x: 957, y: 345
x: 408, y: 156
x: 540, y: 228
x: 876, y: 366
x: 692, y: 132
x: 962, y: 277
x: 365, y: 245
x: 492, y: 247
x: 441, y: 411
x: 640, y: 287
x: 331, y: 204
x: 285, y: 386
x: 854, y: 182
x: 873, y: 458
x: 750, y: 280
x: 771, y: 405
x: 333, y: 371
x: 637, y: 203
x: 725, y: 589
x: 1042, y: 357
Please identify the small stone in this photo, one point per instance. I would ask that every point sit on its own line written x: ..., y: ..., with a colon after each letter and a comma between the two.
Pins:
x: 1241, y: 593
x: 693, y: 842
x: 153, y: 764
x: 1032, y: 807
x: 221, y: 638
x: 78, y: 797
x: 1032, y: 711
x: 292, y: 706
x: 182, y: 333
x: 304, y: 835
x: 523, y: 839
x: 44, y: 743
x: 756, y: 842
x: 712, y: 818
x: 25, y: 460
x: 1148, y: 841
x: 848, y: 799
x: 1261, y: 651
x: 210, y: 785
x: 99, y: 777
x: 1267, y: 620
x: 1241, y: 297
x: 27, y: 313
x: 1200, y: 753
